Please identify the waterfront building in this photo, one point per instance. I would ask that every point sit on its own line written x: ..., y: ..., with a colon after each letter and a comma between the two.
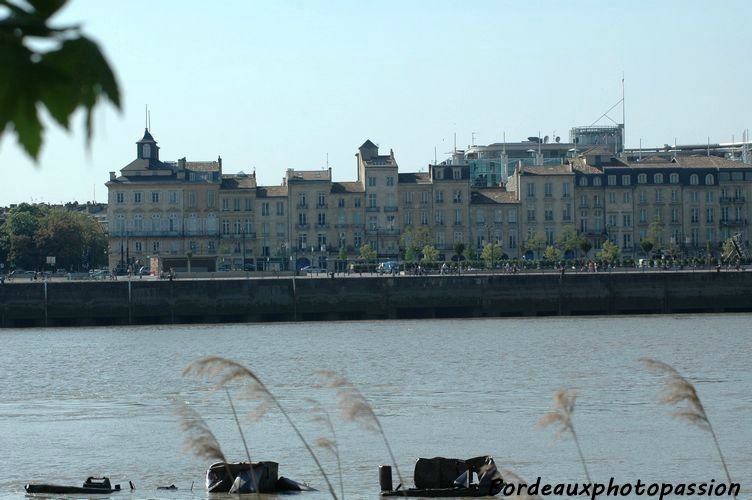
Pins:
x: 193, y: 213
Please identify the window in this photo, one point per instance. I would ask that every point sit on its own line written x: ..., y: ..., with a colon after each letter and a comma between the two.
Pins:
x: 530, y: 190
x: 439, y: 196
x: 236, y: 226
x: 236, y: 204
x: 341, y: 203
x: 155, y: 196
x: 709, y: 215
x: 456, y: 174
x: 658, y: 214
x: 390, y: 180
x: 408, y: 197
x: 626, y: 241
x: 497, y: 216
x: 458, y: 237
x: 302, y: 200
x: 627, y: 197
x: 549, y: 236
x: 408, y: 218
x: 225, y: 226
x: 155, y: 246
x: 643, y: 197
x: 247, y: 204
x: 694, y: 215
x: 709, y: 180
x: 358, y: 240
x: 583, y: 181
x: 371, y: 181
x: 659, y: 196
x: 302, y: 241
x: 512, y: 240
x: 694, y: 196
x: 173, y: 196
x: 119, y: 197
x: 424, y: 197
x: 611, y: 196
x: 480, y: 216
x: 457, y: 216
x: 225, y: 204
x: 280, y: 208
x: 322, y: 241
x: 302, y: 218
x: 357, y: 202
x: 512, y: 215
x: 673, y: 178
x: 658, y: 179
x: 626, y: 220
x: 643, y: 216
x: 137, y: 197
x: 596, y: 181
x: 438, y: 173
x: 371, y: 200
x: 626, y: 180
x: 709, y: 197
x: 211, y: 246
x: 439, y: 217
x: 531, y: 215
x: 322, y: 218
x: 423, y: 218
x: 612, y: 180
x: 439, y: 239
x: 674, y: 195
x: 694, y: 179
x: 139, y: 247
x: 548, y: 190
x: 155, y: 223
x: 265, y: 208
x: 138, y: 222
x: 567, y: 214
x: 642, y: 179
x: 457, y: 196
x: 674, y: 215
x: 565, y: 190
x: 548, y: 214
x: 612, y: 220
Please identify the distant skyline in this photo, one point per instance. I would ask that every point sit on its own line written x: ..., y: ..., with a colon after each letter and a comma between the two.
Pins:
x: 282, y: 84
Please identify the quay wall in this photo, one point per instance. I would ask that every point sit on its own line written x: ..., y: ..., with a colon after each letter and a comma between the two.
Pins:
x: 138, y: 302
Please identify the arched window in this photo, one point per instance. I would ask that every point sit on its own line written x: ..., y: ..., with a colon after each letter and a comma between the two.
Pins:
x: 709, y: 180
x: 642, y: 179
x: 694, y: 179
x: 596, y: 181
x: 674, y: 178
x: 583, y: 181
x: 658, y: 179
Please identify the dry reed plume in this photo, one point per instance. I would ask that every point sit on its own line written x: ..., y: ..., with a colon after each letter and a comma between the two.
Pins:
x: 226, y: 371
x: 680, y: 390
x: 198, y: 436
x: 563, y: 408
x: 321, y: 416
x: 355, y: 408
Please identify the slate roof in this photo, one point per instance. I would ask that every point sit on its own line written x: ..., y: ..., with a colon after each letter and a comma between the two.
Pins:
x: 485, y: 196
x: 271, y: 191
x: 347, y: 187
x: 242, y: 181
x: 414, y: 178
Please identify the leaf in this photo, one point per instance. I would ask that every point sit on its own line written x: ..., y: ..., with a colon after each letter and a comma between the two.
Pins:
x: 28, y: 127
x: 46, y: 8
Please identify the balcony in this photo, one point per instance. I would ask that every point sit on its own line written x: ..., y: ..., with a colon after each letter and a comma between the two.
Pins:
x: 739, y: 200
x: 584, y: 205
x: 322, y: 206
x: 301, y: 226
x: 341, y: 225
x: 725, y: 200
x: 303, y: 206
x: 321, y: 225
x: 734, y: 223
x: 390, y: 209
x: 373, y: 209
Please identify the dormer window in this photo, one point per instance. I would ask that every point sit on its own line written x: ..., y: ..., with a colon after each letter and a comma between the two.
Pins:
x: 147, y: 151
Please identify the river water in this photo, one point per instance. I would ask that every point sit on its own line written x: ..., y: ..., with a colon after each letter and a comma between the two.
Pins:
x: 78, y: 402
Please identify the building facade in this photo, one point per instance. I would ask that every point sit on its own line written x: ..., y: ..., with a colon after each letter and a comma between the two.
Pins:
x: 192, y: 215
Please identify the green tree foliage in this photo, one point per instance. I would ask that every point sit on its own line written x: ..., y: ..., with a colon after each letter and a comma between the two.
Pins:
x: 33, y: 232
x: 343, y: 253
x: 367, y: 253
x: 413, y: 241
x: 552, y: 253
x: 491, y: 253
x: 55, y: 67
x: 585, y: 245
x: 430, y: 254
x: 459, y: 250
x: 646, y: 245
x: 536, y: 243
x: 654, y: 236
x: 610, y: 252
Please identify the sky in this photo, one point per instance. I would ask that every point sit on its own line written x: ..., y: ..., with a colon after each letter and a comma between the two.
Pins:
x: 301, y: 84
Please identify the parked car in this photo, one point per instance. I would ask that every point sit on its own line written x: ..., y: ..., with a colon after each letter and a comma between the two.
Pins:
x: 99, y: 274
x: 144, y: 271
x: 388, y: 267
x: 312, y: 270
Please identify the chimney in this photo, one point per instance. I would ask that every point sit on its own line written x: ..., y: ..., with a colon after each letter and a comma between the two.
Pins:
x: 112, y: 176
x: 219, y: 160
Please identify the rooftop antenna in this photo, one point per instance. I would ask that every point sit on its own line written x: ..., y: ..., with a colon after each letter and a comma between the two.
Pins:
x: 455, y: 143
x: 708, y: 146
x: 472, y: 138
x: 435, y: 159
x: 504, y: 142
x: 639, y: 151
x: 327, y: 161
x: 623, y: 115
x: 146, y: 117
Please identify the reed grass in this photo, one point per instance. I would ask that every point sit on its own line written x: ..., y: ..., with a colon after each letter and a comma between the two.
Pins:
x: 561, y: 414
x: 321, y: 416
x: 678, y: 389
x: 225, y: 371
x: 356, y: 408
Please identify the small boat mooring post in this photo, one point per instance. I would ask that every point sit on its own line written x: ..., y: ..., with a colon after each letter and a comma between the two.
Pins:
x: 385, y: 478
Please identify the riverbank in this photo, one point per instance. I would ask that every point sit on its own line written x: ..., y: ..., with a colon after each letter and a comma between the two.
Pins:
x: 137, y: 301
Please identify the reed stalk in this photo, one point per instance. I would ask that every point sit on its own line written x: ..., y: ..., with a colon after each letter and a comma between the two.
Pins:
x: 356, y: 408
x: 680, y: 390
x: 320, y: 415
x: 227, y: 371
x: 563, y: 408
